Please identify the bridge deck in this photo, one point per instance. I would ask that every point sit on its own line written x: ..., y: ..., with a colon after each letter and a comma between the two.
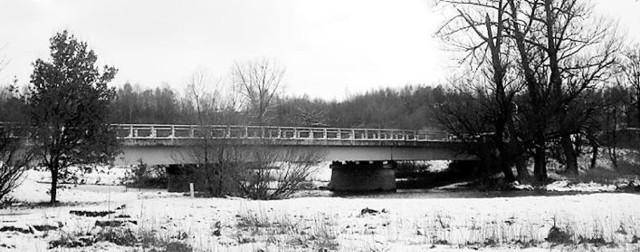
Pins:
x: 170, y: 144
x: 319, y: 136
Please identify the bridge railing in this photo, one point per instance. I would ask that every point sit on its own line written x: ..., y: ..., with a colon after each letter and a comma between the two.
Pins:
x: 161, y: 131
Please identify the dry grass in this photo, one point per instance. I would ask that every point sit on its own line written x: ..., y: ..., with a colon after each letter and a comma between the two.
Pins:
x: 594, y: 222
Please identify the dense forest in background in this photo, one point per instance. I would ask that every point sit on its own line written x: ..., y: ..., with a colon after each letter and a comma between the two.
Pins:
x: 406, y: 108
x: 409, y: 107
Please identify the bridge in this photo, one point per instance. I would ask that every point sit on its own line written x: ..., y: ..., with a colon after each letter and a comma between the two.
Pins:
x: 362, y: 159
x: 157, y: 144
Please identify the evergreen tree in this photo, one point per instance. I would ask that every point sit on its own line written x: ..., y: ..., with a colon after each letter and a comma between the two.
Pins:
x: 68, y: 106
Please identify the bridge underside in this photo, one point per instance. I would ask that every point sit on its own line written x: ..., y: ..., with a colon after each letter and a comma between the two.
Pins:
x: 358, y: 165
x: 165, y: 155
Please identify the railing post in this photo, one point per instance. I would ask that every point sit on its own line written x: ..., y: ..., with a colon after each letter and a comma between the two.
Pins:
x: 279, y: 132
x: 353, y: 134
x: 173, y: 132
x: 324, y: 133
x: 153, y: 132
x: 130, y: 131
x: 192, y: 132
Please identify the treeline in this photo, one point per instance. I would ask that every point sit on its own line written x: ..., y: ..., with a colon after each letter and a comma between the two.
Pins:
x: 409, y: 107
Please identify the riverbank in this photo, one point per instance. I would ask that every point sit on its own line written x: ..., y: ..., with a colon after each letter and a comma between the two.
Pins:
x: 119, y: 219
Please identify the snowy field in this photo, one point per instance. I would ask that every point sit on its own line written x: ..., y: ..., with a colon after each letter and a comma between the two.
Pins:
x: 143, y: 220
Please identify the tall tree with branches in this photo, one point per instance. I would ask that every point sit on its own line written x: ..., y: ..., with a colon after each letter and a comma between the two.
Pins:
x: 564, y: 51
x: 478, y: 30
x: 260, y: 82
x: 630, y: 66
x: 68, y: 108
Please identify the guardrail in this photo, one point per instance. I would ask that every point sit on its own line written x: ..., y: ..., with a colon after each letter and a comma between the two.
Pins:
x: 166, y: 131
x: 160, y: 131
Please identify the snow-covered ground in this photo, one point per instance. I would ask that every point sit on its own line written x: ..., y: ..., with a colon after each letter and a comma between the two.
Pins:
x: 335, y: 223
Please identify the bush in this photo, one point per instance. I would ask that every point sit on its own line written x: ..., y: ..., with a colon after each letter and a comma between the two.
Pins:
x: 14, y: 159
x: 272, y: 179
x: 145, y: 176
x: 256, y: 173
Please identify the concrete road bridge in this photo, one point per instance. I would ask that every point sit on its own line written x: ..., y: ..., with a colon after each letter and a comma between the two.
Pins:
x: 362, y: 159
x: 176, y: 144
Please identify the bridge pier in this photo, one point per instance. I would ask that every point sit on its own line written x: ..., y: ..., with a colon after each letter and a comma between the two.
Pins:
x: 363, y: 176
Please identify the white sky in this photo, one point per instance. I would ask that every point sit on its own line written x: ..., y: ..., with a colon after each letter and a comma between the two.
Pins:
x: 330, y: 48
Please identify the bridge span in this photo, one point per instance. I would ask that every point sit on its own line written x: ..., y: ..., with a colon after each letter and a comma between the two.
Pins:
x: 362, y: 159
x: 158, y: 144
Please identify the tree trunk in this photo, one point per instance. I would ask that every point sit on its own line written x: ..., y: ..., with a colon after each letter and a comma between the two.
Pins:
x: 506, y: 170
x: 521, y: 167
x: 540, y: 159
x: 505, y: 164
x: 569, y: 154
x: 54, y: 183
x: 594, y: 155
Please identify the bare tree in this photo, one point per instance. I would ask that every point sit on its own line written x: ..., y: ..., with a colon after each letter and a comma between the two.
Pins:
x: 479, y: 31
x: 260, y: 82
x: 564, y: 50
x: 14, y: 159
x: 276, y: 174
x: 631, y: 69
x: 15, y: 155
x: 204, y: 92
x: 558, y: 49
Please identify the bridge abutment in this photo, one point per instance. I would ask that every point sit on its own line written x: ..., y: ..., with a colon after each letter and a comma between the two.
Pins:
x: 363, y: 176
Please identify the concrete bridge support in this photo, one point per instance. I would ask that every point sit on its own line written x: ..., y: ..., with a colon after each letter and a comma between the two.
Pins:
x: 363, y: 176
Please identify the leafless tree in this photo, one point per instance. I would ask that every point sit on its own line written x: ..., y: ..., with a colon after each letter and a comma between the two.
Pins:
x: 14, y: 159
x: 630, y: 67
x: 204, y: 91
x: 15, y: 155
x: 276, y: 174
x: 260, y: 82
x: 479, y: 31
x: 564, y: 50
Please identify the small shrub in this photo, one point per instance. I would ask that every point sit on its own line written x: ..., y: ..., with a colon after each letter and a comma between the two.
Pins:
x: 559, y: 236
x: 13, y: 162
x: 175, y: 246
x: 118, y: 236
x: 72, y: 240
x: 145, y: 176
x: 324, y: 236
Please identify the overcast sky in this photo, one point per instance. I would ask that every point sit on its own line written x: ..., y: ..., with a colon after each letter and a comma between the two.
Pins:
x: 330, y: 48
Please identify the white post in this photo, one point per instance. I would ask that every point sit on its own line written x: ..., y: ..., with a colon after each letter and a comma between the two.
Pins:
x: 191, y: 190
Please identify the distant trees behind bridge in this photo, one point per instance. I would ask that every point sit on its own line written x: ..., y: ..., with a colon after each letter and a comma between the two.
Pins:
x: 407, y: 108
